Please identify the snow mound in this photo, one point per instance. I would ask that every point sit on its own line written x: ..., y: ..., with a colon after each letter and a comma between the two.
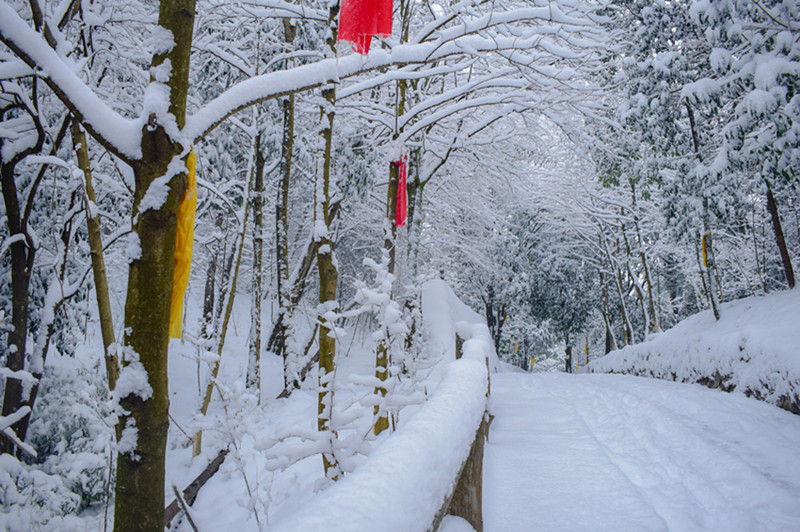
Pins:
x: 753, y: 349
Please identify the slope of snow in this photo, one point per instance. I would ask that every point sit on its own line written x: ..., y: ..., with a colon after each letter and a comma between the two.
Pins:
x: 623, y: 453
x: 754, y: 349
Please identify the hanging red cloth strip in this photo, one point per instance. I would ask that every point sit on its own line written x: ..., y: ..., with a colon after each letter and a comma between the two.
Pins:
x: 401, y: 210
x: 361, y: 19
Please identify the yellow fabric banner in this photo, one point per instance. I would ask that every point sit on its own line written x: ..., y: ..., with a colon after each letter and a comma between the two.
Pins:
x: 184, y: 242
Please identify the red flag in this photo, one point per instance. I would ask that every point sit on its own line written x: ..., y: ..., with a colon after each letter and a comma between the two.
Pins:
x: 402, y: 200
x: 361, y: 19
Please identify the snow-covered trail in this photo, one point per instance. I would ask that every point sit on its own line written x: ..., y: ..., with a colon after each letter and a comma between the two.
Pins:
x: 613, y: 452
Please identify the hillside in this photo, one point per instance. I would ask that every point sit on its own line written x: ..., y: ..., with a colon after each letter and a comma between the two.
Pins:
x: 753, y: 349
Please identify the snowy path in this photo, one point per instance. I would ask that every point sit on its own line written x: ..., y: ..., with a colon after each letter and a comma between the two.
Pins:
x: 611, y: 452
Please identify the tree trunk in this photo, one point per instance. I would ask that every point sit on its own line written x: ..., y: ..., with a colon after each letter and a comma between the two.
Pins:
x: 208, y: 296
x: 225, y: 280
x: 23, y: 252
x: 139, y: 495
x: 298, y: 285
x: 709, y: 263
x: 326, y: 265
x: 282, y: 220
x: 611, y: 342
x: 634, y: 281
x: 382, y: 350
x: 708, y: 256
x: 627, y: 329
x: 140, y: 469
x: 22, y: 255
x: 254, y: 361
x: 645, y: 269
x: 98, y: 262
x: 772, y: 207
x: 762, y: 279
x: 568, y: 354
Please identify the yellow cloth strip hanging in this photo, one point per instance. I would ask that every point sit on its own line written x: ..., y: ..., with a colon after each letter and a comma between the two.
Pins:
x: 184, y: 242
x: 705, y: 256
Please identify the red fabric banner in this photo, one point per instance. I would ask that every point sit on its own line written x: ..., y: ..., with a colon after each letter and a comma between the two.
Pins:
x: 361, y: 19
x: 402, y: 199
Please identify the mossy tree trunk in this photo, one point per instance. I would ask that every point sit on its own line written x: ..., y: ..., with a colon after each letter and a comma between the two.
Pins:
x: 139, y: 495
x: 98, y: 262
x: 382, y: 351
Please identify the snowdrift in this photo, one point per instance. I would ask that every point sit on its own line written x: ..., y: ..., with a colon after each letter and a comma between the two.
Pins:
x: 753, y: 349
x: 405, y: 480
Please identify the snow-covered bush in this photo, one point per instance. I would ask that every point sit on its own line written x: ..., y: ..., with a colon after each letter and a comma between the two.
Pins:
x: 71, y: 430
x: 30, y: 497
x: 72, y: 436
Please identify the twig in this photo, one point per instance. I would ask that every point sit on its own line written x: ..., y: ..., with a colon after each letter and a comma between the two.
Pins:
x: 184, y: 507
x: 179, y: 427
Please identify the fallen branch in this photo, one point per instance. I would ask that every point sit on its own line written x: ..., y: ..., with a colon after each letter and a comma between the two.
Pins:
x: 191, y: 491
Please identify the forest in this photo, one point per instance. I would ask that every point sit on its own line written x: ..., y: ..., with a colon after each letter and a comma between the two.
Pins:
x: 210, y: 207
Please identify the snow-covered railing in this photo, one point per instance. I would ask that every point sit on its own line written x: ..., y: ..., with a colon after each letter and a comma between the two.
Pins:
x: 427, y: 468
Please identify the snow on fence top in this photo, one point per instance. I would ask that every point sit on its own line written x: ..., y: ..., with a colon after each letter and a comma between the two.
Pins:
x: 407, y: 477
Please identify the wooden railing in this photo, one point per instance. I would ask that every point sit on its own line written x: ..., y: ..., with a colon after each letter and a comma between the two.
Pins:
x: 466, y: 498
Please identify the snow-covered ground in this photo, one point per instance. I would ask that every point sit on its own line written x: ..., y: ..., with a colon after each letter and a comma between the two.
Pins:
x: 617, y: 452
x: 754, y: 349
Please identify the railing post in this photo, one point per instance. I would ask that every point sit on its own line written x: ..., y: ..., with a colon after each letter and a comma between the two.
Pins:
x: 467, y: 501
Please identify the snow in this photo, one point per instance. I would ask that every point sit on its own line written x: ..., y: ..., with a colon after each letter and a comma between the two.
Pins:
x: 133, y: 249
x: 701, y: 90
x: 157, y: 192
x: 8, y: 242
x: 616, y: 452
x: 451, y: 523
x: 768, y: 68
x: 132, y: 377
x: 444, y: 314
x: 414, y: 468
x: 753, y: 347
x: 122, y: 133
